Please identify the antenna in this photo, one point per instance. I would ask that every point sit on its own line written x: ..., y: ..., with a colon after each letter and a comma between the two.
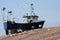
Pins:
x: 26, y: 14
x: 32, y: 10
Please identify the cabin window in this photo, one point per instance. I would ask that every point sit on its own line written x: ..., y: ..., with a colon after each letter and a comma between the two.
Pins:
x: 29, y: 17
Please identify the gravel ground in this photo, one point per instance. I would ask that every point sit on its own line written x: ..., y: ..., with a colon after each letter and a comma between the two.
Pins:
x: 37, y: 34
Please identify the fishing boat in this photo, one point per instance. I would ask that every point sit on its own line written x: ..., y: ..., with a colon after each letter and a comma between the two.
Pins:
x: 32, y: 23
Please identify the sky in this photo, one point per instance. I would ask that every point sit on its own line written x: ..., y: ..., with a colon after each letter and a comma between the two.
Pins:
x: 48, y: 10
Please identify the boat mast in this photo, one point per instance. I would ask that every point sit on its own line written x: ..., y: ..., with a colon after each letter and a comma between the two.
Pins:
x: 32, y: 10
x: 3, y: 13
x: 9, y: 15
x: 32, y: 17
